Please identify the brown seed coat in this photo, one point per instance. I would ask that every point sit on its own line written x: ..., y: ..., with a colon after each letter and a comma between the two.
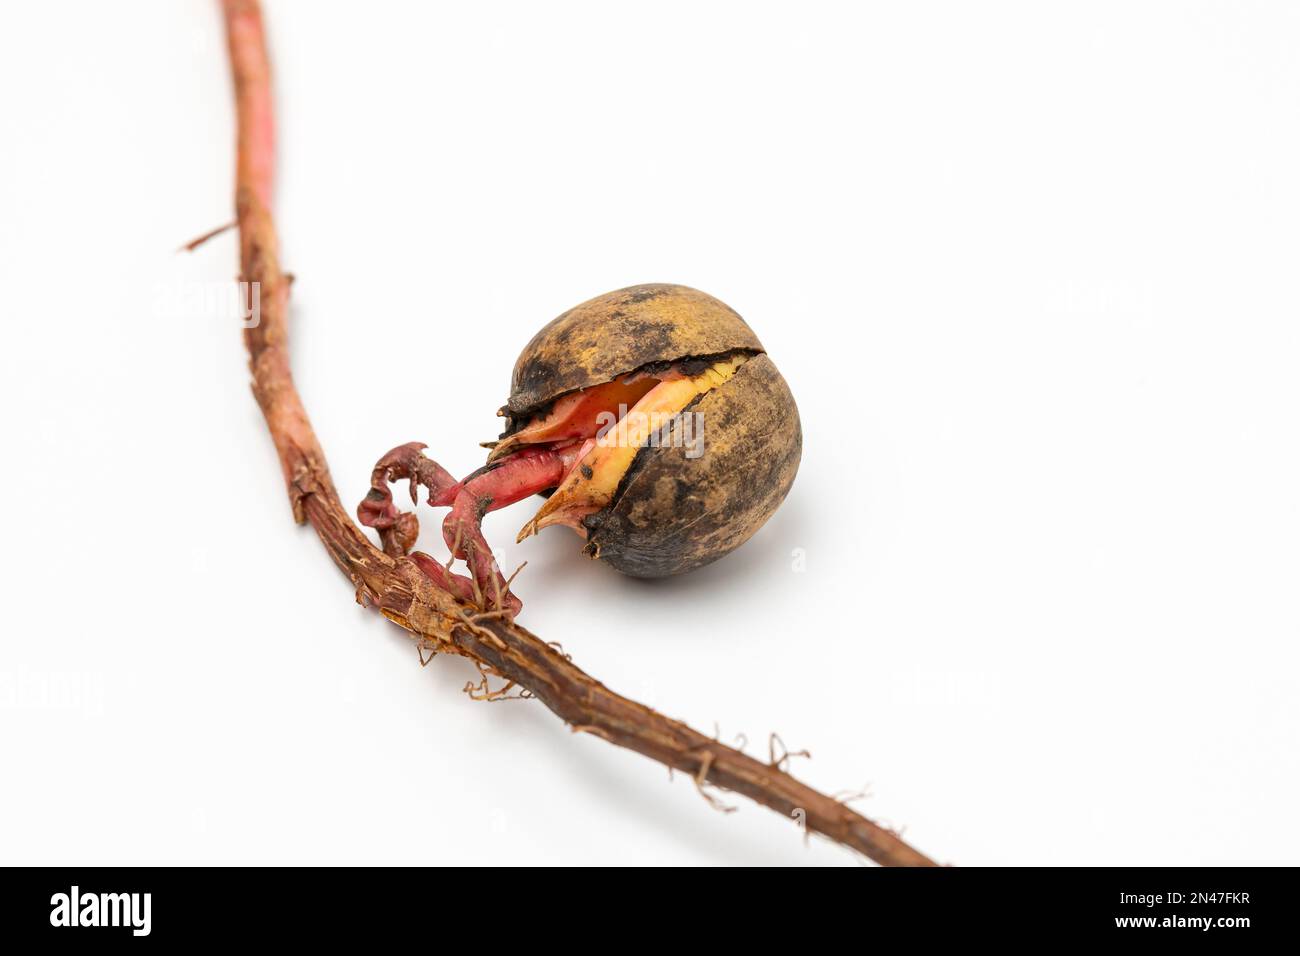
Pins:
x: 618, y: 332
x: 672, y: 512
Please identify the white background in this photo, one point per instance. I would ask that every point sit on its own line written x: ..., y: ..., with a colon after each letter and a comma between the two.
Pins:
x: 1030, y: 270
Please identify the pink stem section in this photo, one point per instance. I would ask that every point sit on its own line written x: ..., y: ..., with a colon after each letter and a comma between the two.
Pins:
x: 257, y: 126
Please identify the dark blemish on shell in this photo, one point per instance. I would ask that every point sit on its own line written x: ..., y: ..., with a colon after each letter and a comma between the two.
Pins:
x: 645, y: 294
x: 681, y: 491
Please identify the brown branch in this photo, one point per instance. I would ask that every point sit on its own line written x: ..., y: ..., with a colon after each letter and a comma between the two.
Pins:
x: 405, y: 594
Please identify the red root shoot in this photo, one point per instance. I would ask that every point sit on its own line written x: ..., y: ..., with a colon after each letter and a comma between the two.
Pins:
x: 496, y: 485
